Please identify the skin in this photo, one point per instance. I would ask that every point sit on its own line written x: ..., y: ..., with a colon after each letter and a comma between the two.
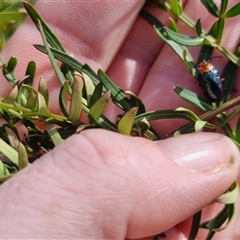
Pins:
x: 103, y: 185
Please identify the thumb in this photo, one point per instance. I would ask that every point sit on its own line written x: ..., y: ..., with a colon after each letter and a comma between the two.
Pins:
x: 100, y: 184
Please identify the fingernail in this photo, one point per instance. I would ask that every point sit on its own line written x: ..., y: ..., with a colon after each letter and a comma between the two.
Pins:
x: 201, y: 152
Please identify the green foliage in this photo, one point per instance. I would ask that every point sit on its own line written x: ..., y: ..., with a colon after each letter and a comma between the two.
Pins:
x: 85, y: 92
x: 11, y: 15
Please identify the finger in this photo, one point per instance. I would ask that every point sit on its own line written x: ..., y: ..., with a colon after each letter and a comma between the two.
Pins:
x: 83, y: 189
x: 82, y: 33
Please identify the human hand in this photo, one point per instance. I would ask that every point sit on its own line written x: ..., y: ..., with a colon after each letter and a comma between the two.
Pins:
x: 121, y: 187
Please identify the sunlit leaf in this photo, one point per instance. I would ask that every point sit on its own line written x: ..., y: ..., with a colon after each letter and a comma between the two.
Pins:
x: 53, y: 133
x: 99, y: 106
x: 126, y: 122
x: 230, y: 196
x: 76, y: 100
x: 22, y: 156
x: 9, y: 152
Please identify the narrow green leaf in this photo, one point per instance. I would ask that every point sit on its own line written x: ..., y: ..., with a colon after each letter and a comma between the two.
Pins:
x: 96, y: 94
x: 198, y: 27
x: 195, y: 225
x: 188, y: 112
x: 223, y: 8
x: 165, y: 114
x: 11, y: 98
x: 220, y: 28
x: 211, y: 7
x: 228, y: 74
x: 184, y: 40
x: 36, y: 18
x: 230, y: 196
x: 62, y: 103
x: 99, y: 106
x: 137, y: 102
x: 88, y: 87
x: 215, y: 224
x: 28, y: 80
x: 52, y: 59
x: 9, y: 152
x: 53, y: 133
x: 3, y: 170
x: 43, y: 89
x: 8, y: 71
x: 193, y: 98
x: 71, y: 62
x: 117, y: 94
x: 126, y: 122
x: 173, y: 25
x: 22, y: 156
x: 176, y: 7
x: 237, y: 134
x: 233, y: 12
x: 76, y: 100
x: 32, y: 101
x: 180, y: 50
x: 142, y: 127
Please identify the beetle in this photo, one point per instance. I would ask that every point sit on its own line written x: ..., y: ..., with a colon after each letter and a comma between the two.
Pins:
x: 210, y: 80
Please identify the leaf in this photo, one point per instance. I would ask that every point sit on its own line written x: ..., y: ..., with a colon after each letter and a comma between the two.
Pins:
x: 180, y: 50
x: 99, y: 106
x: 22, y: 156
x: 43, y: 89
x: 211, y: 7
x: 230, y: 196
x: 53, y: 133
x: 199, y: 125
x: 117, y: 94
x: 126, y: 122
x: 12, y: 138
x: 71, y: 62
x: 38, y: 21
x: 76, y: 100
x: 195, y: 225
x: 215, y: 224
x: 9, y: 152
x: 198, y: 27
x: 3, y: 170
x: 237, y: 135
x: 173, y: 25
x: 165, y: 114
x: 223, y: 8
x: 233, y: 12
x: 183, y: 40
x: 62, y: 102
x: 88, y: 87
x: 220, y: 27
x: 56, y: 68
x: 28, y: 80
x: 176, y: 7
x: 8, y: 71
x: 193, y: 98
x: 11, y: 98
x: 96, y: 94
x: 137, y: 102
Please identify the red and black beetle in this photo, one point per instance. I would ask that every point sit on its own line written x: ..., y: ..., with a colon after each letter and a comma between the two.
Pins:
x: 210, y: 80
